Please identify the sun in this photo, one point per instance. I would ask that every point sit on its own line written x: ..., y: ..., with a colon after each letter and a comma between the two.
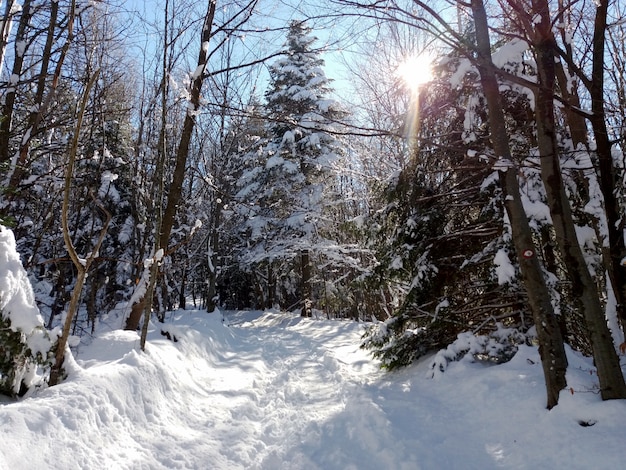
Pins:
x: 416, y: 70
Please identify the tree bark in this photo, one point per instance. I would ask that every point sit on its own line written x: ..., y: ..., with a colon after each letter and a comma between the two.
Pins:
x: 305, y: 259
x: 551, y: 349
x: 607, y: 173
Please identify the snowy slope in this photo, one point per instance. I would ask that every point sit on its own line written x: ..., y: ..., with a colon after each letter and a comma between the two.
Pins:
x: 253, y: 390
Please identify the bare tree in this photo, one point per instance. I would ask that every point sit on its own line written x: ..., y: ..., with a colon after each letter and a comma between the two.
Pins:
x: 8, y: 106
x: 6, y: 23
x: 82, y: 265
x: 175, y: 187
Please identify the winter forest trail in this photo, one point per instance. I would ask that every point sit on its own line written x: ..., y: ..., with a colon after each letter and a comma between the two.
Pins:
x: 306, y: 378
x: 271, y: 391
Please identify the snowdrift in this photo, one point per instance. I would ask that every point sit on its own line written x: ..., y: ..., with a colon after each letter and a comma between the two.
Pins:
x: 254, y: 390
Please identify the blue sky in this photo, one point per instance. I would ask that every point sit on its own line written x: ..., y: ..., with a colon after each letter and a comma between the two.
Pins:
x: 147, y: 15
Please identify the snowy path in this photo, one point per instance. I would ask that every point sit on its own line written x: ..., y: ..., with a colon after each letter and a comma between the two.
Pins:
x: 268, y: 391
x: 301, y: 386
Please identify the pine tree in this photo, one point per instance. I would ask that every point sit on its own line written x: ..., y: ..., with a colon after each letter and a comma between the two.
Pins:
x: 288, y: 188
x: 442, y: 234
x: 24, y: 342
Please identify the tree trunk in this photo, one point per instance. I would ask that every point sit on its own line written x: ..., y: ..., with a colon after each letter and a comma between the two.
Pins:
x: 182, y: 300
x: 5, y: 30
x: 81, y: 265
x: 178, y: 177
x: 212, y: 249
x: 607, y: 173
x: 8, y: 103
x: 142, y: 305
x: 307, y: 302
x: 148, y: 300
x: 164, y: 300
x: 612, y: 383
x: 551, y: 349
x: 176, y: 185
x: 56, y: 371
x: 271, y: 285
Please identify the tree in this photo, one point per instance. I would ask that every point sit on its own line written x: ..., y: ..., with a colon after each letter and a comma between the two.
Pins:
x: 6, y: 23
x: 611, y: 379
x: 45, y: 90
x: 477, y: 51
x: 87, y: 40
x: 607, y: 168
x: 82, y: 265
x: 166, y: 221
x: 551, y: 347
x: 568, y: 191
x: 24, y: 342
x: 289, y: 188
x: 11, y: 93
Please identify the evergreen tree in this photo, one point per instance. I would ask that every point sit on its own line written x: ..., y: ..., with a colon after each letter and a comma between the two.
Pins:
x: 288, y: 189
x: 24, y: 342
x: 443, y: 245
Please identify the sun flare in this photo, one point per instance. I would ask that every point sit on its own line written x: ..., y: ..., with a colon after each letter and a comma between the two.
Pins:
x: 416, y: 70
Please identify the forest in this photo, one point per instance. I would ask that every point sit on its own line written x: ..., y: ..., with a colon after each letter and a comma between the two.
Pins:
x: 449, y: 173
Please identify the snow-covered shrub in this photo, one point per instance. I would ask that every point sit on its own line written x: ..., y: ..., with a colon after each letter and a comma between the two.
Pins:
x: 24, y: 341
x: 497, y: 347
x: 397, y: 342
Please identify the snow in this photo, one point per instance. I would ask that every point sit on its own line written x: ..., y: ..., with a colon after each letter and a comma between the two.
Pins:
x: 17, y: 300
x: 20, y: 48
x: 267, y: 390
x: 16, y: 7
x: 510, y: 52
x: 199, y: 70
x: 503, y: 164
x: 492, y: 179
x: 504, y: 268
x: 536, y: 210
x: 107, y: 188
x: 397, y: 263
x: 464, y: 67
x: 276, y: 160
x: 17, y: 305
x: 126, y: 232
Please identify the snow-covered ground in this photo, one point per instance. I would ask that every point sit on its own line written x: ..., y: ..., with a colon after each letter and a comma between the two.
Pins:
x: 254, y: 390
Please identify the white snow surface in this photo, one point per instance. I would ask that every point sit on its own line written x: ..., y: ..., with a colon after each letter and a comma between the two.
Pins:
x: 269, y: 390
